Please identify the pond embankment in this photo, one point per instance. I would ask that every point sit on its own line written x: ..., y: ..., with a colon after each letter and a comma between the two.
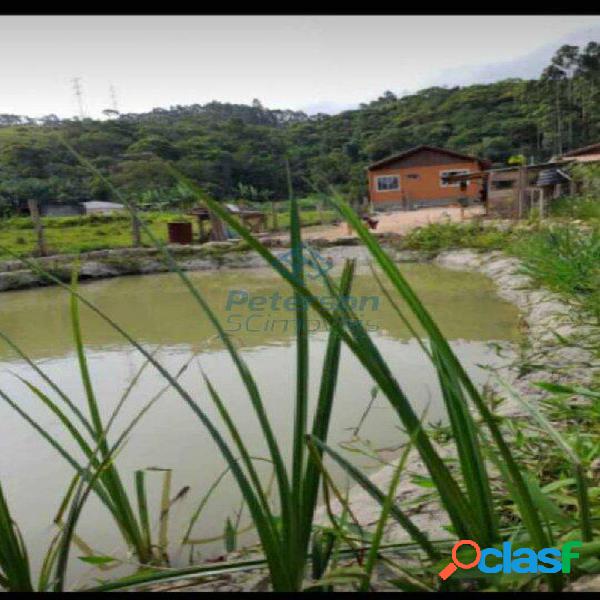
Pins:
x: 101, y: 264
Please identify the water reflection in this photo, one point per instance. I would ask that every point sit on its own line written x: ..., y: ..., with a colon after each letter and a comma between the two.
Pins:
x: 158, y: 312
x: 254, y: 306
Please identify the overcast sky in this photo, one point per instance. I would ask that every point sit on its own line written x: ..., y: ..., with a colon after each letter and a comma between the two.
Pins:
x: 308, y: 63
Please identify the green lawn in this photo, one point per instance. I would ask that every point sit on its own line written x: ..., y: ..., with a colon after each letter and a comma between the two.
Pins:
x: 100, y: 232
x: 78, y: 234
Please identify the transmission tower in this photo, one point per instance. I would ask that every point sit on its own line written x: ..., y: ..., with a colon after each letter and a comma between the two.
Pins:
x: 78, y: 95
x: 113, y: 98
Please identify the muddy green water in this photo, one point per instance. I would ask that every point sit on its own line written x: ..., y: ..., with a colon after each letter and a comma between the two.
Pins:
x: 256, y: 309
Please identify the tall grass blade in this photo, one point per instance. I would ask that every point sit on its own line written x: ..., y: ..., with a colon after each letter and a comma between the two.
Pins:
x: 397, y: 514
x: 15, y: 573
x: 528, y: 512
x: 163, y: 527
x: 321, y: 419
x: 298, y: 541
x: 585, y: 516
x: 142, y: 502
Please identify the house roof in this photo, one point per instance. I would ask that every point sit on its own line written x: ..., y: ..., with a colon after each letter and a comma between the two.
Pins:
x: 100, y: 204
x: 411, y: 151
x: 591, y: 149
x: 536, y: 167
x: 552, y: 177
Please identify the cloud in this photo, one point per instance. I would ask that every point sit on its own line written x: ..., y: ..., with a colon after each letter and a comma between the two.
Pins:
x: 529, y: 66
x: 329, y: 108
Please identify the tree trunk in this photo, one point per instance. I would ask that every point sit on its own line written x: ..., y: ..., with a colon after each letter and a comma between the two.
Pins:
x: 38, y: 226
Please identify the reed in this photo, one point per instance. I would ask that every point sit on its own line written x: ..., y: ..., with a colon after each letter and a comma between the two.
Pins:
x: 285, y: 535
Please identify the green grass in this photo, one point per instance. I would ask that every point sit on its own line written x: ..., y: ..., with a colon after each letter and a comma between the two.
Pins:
x: 308, y: 218
x: 584, y: 208
x: 70, y: 235
x: 444, y: 236
x: 15, y: 573
x: 565, y: 259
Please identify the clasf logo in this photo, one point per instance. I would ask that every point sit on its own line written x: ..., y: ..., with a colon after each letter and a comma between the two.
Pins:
x: 507, y: 560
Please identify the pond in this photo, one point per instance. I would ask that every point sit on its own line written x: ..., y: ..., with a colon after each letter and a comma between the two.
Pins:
x: 256, y: 308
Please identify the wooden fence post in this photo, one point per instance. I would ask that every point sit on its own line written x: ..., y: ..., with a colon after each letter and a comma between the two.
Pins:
x: 34, y: 211
x: 136, y: 233
x: 522, y: 183
x: 275, y: 223
x: 217, y: 229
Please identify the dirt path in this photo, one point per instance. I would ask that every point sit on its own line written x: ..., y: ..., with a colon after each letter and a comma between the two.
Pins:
x: 393, y: 222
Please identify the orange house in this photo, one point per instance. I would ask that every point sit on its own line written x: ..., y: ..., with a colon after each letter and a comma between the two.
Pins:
x: 416, y: 178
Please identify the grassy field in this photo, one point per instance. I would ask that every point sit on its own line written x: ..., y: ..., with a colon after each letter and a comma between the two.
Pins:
x: 78, y: 234
x: 100, y: 232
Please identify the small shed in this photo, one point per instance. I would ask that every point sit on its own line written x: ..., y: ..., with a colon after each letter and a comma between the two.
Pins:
x: 255, y: 220
x: 511, y: 192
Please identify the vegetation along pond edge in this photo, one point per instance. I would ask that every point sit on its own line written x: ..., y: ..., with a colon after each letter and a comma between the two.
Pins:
x: 549, y: 330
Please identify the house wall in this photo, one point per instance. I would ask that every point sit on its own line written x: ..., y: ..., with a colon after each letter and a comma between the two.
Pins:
x: 427, y: 189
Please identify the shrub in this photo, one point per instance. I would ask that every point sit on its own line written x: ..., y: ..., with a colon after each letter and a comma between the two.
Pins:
x: 565, y: 259
x: 439, y: 236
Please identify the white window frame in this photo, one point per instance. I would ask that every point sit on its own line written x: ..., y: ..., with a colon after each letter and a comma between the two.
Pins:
x: 457, y: 183
x: 387, y: 177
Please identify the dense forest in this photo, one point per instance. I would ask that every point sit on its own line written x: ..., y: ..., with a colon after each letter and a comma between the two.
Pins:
x: 238, y: 150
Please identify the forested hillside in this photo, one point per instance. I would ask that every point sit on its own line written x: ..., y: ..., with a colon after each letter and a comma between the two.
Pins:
x: 225, y: 146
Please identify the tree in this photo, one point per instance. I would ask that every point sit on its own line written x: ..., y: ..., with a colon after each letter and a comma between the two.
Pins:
x: 157, y: 145
x: 219, y: 144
